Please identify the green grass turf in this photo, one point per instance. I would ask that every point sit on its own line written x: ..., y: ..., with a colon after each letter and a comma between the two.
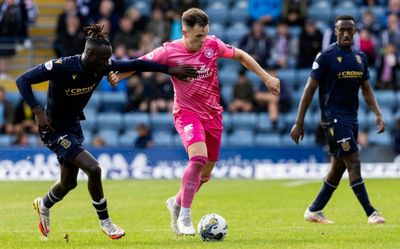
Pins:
x: 260, y: 214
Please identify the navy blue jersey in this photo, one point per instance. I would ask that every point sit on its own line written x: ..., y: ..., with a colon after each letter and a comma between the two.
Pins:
x: 70, y: 86
x: 339, y: 74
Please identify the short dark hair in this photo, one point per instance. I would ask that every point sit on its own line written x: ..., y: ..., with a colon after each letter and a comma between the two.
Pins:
x: 94, y: 33
x: 194, y: 16
x: 344, y: 18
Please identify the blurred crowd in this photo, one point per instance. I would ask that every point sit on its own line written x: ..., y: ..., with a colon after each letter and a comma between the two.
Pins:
x: 280, y: 35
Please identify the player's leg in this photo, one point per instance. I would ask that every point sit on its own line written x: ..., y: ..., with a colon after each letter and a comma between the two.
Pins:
x: 206, y: 173
x: 85, y: 161
x: 331, y: 181
x: 192, y: 134
x: 353, y: 165
x: 56, y: 193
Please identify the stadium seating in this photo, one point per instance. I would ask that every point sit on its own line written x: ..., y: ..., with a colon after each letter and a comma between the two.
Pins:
x: 127, y: 138
x: 110, y: 136
x: 217, y: 12
x: 109, y: 120
x: 161, y: 122
x: 163, y: 138
x: 6, y: 140
x: 131, y: 120
x: 321, y: 11
x: 113, y: 101
x: 241, y: 138
x: 244, y: 121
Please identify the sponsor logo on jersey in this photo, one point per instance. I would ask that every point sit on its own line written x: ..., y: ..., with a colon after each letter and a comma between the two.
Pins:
x: 79, y: 91
x: 58, y: 61
x: 229, y: 46
x: 188, y: 130
x: 350, y: 74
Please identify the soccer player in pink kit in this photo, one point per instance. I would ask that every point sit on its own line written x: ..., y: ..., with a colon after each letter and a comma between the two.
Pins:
x: 197, y: 112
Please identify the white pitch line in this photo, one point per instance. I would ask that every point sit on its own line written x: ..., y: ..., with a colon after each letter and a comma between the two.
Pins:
x: 297, y: 183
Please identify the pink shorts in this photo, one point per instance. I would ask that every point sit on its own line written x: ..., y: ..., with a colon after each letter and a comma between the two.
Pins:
x: 193, y: 129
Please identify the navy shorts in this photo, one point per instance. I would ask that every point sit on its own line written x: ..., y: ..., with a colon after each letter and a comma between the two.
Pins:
x: 341, y: 138
x: 66, y: 141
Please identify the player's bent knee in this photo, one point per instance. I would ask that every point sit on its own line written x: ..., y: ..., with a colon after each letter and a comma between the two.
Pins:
x: 94, y: 170
x: 70, y: 185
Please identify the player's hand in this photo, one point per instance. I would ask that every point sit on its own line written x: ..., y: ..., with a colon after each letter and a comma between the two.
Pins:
x: 42, y: 120
x: 183, y: 72
x: 274, y: 85
x: 112, y: 78
x: 380, y: 124
x: 297, y: 133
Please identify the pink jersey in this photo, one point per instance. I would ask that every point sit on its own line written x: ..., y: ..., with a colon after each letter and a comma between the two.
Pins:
x: 201, y: 95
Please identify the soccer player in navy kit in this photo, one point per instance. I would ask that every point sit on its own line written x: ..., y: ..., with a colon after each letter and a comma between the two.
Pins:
x: 72, y: 82
x: 339, y: 71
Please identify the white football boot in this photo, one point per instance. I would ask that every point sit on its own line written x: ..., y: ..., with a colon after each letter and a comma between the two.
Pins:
x: 376, y: 218
x: 111, y: 230
x: 44, y: 216
x: 185, y: 225
x: 316, y: 217
x: 174, y: 210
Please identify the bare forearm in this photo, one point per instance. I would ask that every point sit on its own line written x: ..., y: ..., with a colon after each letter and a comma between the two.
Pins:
x: 305, y: 101
x: 246, y: 60
x: 369, y: 98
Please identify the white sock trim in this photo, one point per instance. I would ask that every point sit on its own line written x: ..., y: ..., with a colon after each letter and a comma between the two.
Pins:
x: 100, y: 202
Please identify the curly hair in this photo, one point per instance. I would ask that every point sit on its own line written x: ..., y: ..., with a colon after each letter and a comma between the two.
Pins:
x: 94, y: 33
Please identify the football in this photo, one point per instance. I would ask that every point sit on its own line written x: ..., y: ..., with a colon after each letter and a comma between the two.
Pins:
x: 212, y: 227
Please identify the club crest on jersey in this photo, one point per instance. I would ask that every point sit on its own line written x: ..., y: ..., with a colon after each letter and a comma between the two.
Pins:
x: 209, y: 53
x: 346, y: 146
x: 64, y: 142
x: 358, y: 58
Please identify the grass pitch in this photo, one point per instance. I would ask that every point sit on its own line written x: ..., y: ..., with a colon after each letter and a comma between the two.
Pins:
x: 260, y: 214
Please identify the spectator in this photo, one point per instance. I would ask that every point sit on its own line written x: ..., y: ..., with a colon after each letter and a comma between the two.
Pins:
x: 159, y: 27
x: 393, y: 8
x: 107, y: 11
x: 162, y: 94
x: 98, y: 142
x: 21, y: 139
x: 243, y: 94
x: 71, y: 42
x: 283, y: 46
x: 144, y: 139
x: 13, y: 21
x: 183, y: 5
x: 146, y: 44
x: 386, y: 76
x: 266, y: 11
x: 6, y: 113
x: 294, y: 12
x: 70, y: 10
x: 126, y: 37
x: 310, y: 44
x: 135, y: 95
x: 273, y: 104
x: 24, y: 119
x: 367, y: 45
x: 257, y: 43
x: 392, y: 33
x: 368, y: 22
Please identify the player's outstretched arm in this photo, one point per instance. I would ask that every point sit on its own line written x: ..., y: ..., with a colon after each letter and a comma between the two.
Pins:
x: 297, y: 132
x: 369, y: 98
x: 271, y: 82
x: 24, y: 83
x: 182, y: 72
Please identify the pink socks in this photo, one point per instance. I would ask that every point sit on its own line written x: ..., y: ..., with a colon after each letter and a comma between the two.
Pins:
x: 191, y: 181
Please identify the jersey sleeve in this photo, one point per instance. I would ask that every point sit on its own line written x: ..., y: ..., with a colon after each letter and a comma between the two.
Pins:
x: 225, y: 50
x: 366, y: 68
x: 319, y: 67
x: 158, y: 55
x: 35, y: 75
x: 137, y: 65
